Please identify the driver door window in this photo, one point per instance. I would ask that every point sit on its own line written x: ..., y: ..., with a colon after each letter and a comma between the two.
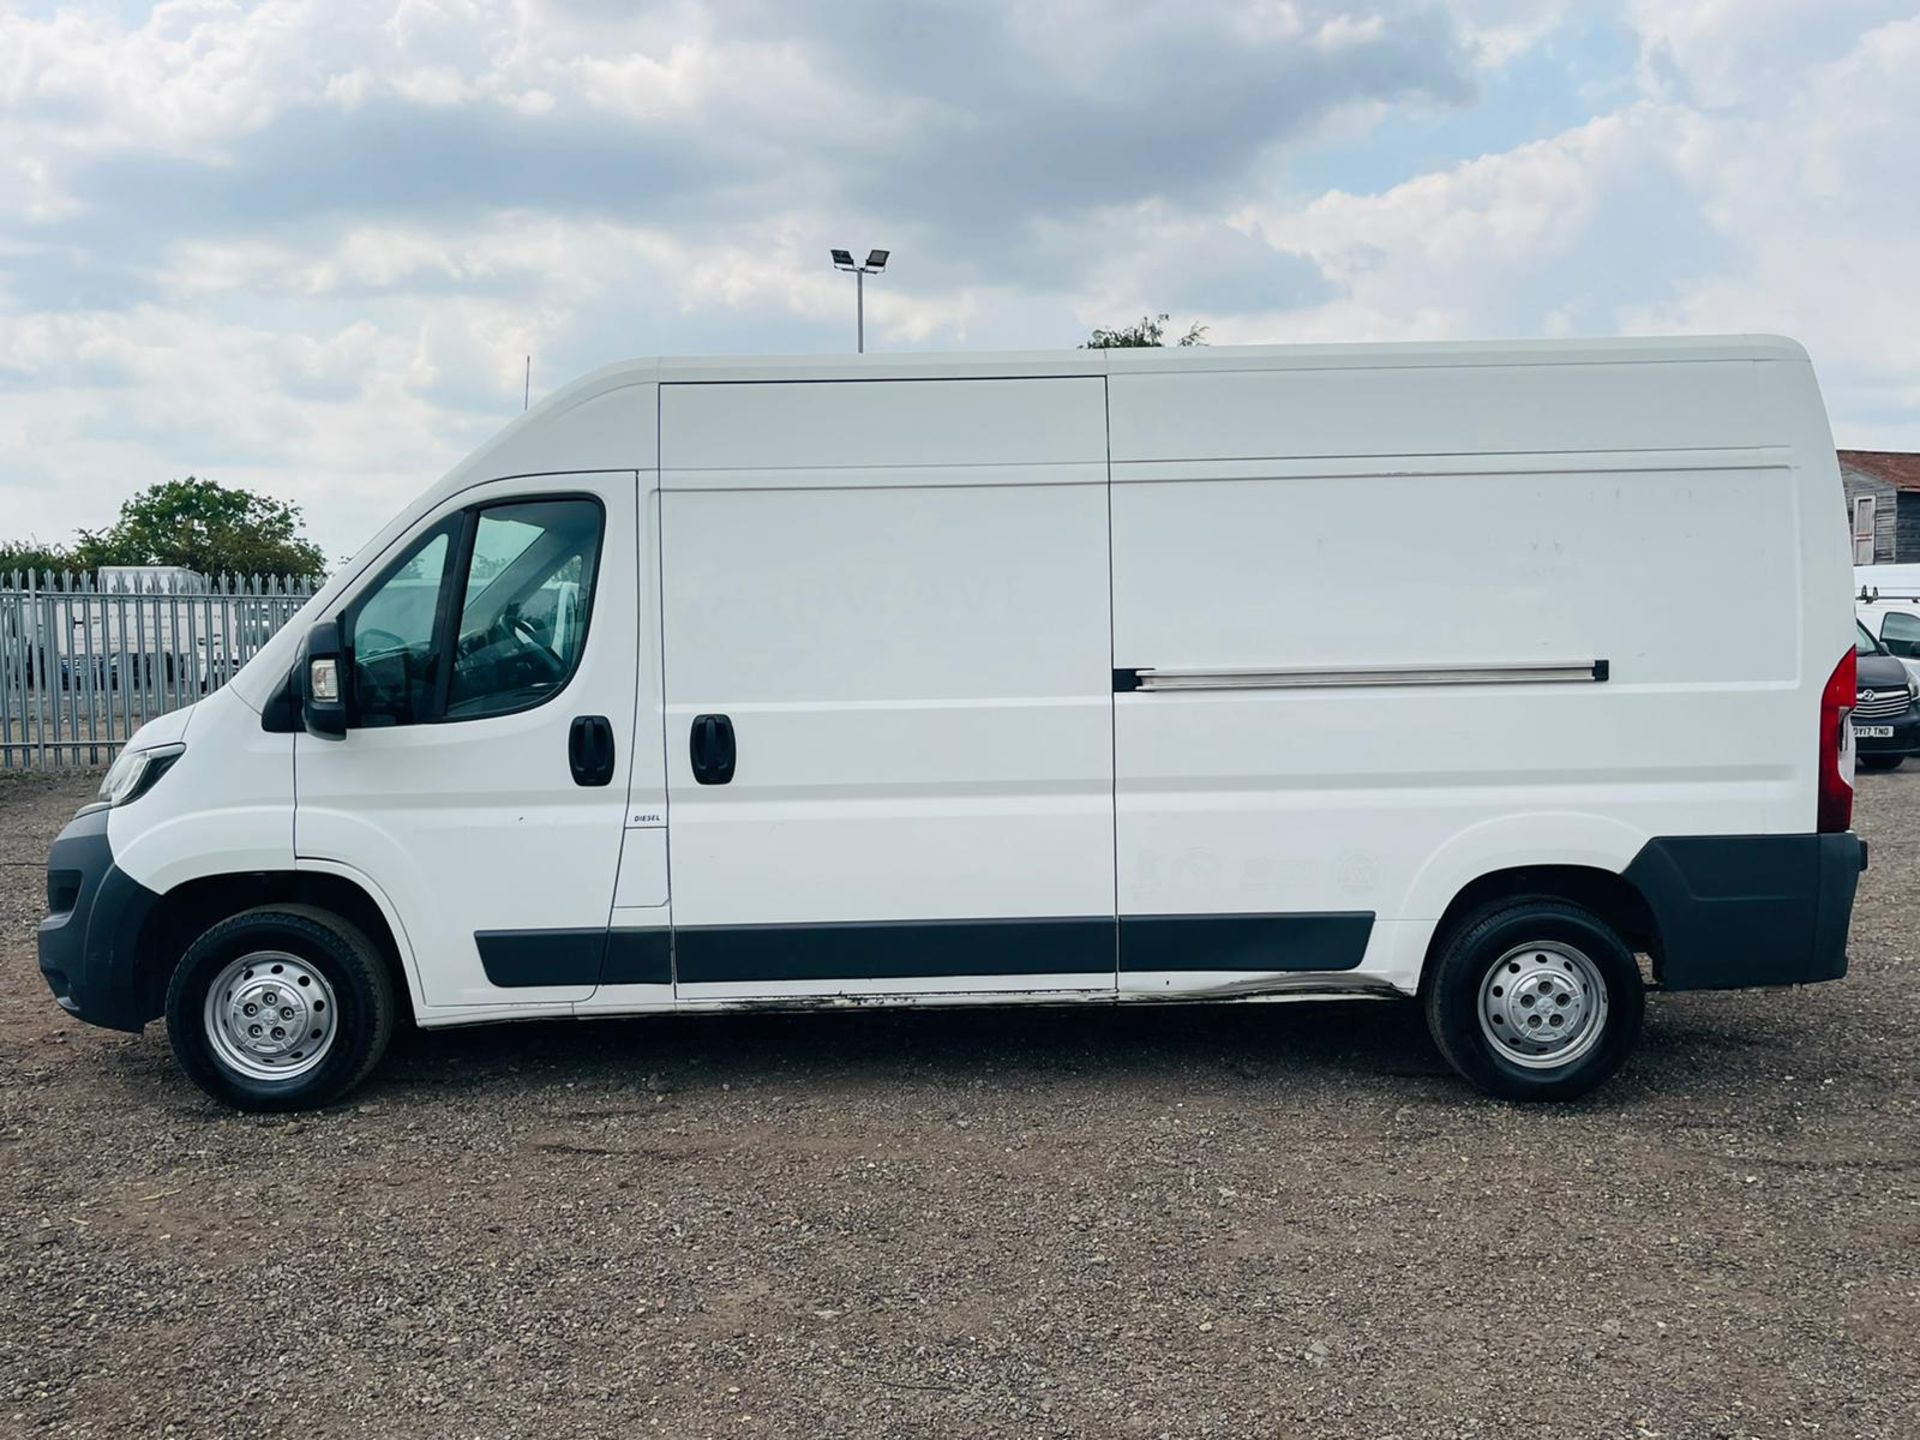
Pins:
x: 518, y: 577
x: 523, y: 618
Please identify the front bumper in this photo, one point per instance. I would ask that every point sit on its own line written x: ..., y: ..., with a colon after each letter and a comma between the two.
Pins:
x: 1905, y: 739
x: 1742, y: 910
x: 88, y: 942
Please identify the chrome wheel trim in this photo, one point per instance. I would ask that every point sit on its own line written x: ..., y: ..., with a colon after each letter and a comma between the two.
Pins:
x: 1543, y: 1006
x: 270, y: 1016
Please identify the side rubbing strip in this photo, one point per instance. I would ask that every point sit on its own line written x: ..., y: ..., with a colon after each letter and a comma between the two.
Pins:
x: 883, y: 950
x: 1308, y: 940
x: 638, y: 957
x: 1524, y: 673
x: 880, y: 950
x: 960, y: 948
x: 518, y: 959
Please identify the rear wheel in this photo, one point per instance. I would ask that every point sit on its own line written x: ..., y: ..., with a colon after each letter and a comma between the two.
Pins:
x: 1535, y: 999
x: 1881, y: 762
x: 285, y: 1007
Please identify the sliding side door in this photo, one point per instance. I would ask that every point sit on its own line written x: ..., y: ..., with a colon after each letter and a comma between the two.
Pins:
x: 1388, y: 628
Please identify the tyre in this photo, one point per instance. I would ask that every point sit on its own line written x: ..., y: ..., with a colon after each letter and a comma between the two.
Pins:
x: 1881, y: 762
x: 284, y: 1007
x: 1535, y: 999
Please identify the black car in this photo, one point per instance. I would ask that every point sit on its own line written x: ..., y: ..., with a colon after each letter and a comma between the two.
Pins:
x: 1886, y: 722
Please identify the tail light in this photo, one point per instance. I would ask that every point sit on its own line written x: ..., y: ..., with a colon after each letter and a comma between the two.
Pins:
x: 1836, y: 746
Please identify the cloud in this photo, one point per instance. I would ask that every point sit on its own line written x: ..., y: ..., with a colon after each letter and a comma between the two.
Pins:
x: 1776, y: 207
x: 1813, y: 189
x: 1717, y: 54
x: 1553, y: 236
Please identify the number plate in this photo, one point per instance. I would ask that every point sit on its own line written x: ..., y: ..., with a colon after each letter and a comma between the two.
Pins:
x: 1873, y: 732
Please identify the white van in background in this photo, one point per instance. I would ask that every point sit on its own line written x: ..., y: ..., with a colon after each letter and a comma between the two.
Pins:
x: 975, y: 679
x: 1888, y: 579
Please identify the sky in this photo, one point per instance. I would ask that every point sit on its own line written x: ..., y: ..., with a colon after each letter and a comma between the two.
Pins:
x: 306, y: 245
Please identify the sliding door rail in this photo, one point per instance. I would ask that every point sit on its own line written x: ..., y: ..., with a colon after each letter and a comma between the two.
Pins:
x: 1519, y: 673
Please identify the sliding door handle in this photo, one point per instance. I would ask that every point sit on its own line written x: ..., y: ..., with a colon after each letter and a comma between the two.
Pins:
x: 710, y: 747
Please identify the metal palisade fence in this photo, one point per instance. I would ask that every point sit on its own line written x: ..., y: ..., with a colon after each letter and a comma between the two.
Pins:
x: 84, y: 664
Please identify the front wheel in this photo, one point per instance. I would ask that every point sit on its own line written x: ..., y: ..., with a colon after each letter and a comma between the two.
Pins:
x: 284, y: 1007
x: 1535, y: 999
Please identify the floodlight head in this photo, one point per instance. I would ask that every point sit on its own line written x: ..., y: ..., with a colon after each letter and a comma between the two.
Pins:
x: 843, y: 259
x: 877, y: 259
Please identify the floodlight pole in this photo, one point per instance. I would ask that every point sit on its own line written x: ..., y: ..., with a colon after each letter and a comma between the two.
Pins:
x: 875, y: 262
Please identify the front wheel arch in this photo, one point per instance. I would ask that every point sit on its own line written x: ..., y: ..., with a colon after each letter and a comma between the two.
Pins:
x: 189, y: 910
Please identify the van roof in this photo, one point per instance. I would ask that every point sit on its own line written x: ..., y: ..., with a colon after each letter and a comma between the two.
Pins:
x: 959, y: 364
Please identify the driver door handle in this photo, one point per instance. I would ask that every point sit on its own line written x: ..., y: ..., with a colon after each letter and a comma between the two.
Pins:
x: 590, y: 750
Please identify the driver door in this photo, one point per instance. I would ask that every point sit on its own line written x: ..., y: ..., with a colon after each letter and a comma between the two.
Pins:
x: 482, y: 783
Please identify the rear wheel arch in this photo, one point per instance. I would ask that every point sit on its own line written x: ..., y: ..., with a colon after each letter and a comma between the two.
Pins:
x: 189, y: 910
x: 1611, y: 897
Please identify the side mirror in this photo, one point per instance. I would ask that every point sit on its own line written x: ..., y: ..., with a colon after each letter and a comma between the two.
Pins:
x: 323, y: 683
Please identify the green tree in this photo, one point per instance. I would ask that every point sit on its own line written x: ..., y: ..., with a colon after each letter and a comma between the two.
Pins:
x: 30, y: 554
x: 209, y: 528
x: 1149, y: 332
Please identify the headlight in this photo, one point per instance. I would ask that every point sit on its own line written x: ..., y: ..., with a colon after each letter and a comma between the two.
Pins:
x: 136, y: 772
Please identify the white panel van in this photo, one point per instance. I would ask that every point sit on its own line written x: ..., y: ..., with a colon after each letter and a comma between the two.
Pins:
x: 1115, y: 676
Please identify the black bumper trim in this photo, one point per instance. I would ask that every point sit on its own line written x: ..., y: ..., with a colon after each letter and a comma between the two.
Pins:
x: 1746, y: 910
x: 88, y: 949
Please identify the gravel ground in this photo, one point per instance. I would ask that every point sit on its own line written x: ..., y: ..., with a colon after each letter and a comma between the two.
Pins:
x: 1268, y: 1220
